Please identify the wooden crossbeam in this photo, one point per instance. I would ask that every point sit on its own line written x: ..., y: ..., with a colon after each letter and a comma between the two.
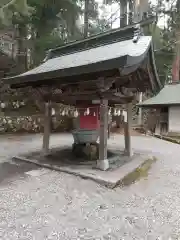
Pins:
x: 84, y: 97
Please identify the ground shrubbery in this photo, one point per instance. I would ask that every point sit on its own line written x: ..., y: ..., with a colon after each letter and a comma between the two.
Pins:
x: 34, y: 124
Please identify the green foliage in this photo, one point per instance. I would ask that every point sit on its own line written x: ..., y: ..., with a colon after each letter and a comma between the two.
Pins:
x: 165, y: 39
x: 42, y: 19
x: 42, y: 44
x: 15, y: 11
x: 48, y: 23
x: 99, y: 26
x: 163, y: 54
x: 50, y: 14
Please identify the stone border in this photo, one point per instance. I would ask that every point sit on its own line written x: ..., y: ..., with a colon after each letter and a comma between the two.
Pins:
x: 166, y: 138
x: 122, y: 176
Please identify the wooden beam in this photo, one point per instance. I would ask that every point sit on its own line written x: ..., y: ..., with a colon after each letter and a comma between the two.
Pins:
x: 127, y: 131
x: 71, y: 99
x: 47, y: 128
x: 89, y: 95
x: 105, y: 84
x: 98, y: 80
x: 103, y: 162
x: 140, y: 97
x: 128, y: 92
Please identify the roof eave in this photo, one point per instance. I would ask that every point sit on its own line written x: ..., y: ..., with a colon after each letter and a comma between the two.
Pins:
x: 72, y: 73
x: 157, y: 105
x: 158, y: 85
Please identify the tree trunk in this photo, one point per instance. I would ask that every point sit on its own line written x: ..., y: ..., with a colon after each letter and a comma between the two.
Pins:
x: 123, y: 13
x: 176, y: 62
x: 131, y: 10
x: 22, y: 47
x: 140, y: 8
x: 86, y: 18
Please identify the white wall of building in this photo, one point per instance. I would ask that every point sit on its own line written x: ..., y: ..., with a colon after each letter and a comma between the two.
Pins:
x: 174, y: 119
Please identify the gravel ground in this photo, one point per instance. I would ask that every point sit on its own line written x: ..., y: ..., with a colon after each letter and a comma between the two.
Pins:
x: 40, y: 204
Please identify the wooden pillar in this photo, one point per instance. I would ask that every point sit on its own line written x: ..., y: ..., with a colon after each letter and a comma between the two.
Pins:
x: 158, y: 125
x: 109, y: 124
x: 127, y: 131
x: 47, y: 128
x: 139, y: 117
x: 103, y: 162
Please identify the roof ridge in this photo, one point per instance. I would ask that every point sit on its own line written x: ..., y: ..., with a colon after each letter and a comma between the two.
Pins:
x: 100, y: 39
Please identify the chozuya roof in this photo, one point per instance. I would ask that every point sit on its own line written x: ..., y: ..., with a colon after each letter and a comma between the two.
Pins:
x: 169, y: 95
x: 121, y: 49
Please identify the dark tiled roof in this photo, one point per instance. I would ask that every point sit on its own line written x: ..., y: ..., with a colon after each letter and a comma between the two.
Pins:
x: 65, y: 65
x: 120, y: 34
x: 94, y: 55
x: 105, y: 38
x: 104, y: 54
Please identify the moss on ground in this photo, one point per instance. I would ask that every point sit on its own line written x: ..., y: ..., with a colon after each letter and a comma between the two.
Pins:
x: 138, y: 173
x: 169, y: 139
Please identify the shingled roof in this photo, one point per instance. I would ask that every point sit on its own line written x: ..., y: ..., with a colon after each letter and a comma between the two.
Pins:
x: 111, y: 51
x: 124, y: 53
x: 169, y: 95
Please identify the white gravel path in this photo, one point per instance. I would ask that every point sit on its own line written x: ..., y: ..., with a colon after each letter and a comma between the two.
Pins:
x: 42, y: 204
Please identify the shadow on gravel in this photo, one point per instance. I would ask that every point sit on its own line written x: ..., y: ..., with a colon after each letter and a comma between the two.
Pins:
x: 10, y: 170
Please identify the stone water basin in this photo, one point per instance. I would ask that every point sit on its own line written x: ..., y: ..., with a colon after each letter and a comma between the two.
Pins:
x: 85, y: 136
